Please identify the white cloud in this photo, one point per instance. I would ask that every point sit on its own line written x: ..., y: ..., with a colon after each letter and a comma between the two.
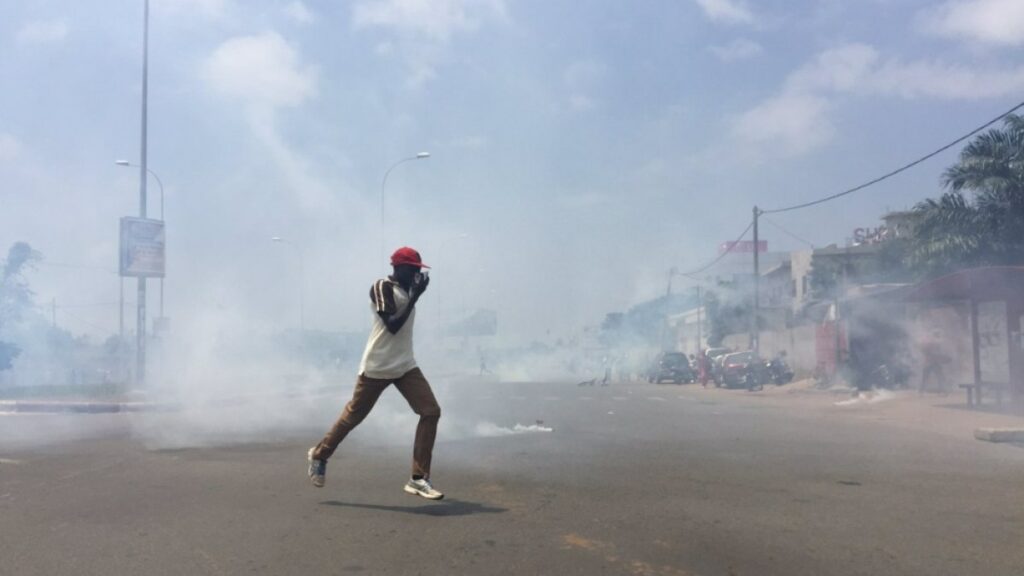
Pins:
x: 839, y: 69
x: 263, y: 70
x: 435, y: 20
x: 796, y: 119
x: 35, y: 33
x: 424, y: 28
x: 860, y: 69
x: 298, y: 12
x: 998, y: 22
x: 944, y: 81
x: 739, y: 49
x: 726, y: 11
x: 792, y: 123
x: 265, y: 73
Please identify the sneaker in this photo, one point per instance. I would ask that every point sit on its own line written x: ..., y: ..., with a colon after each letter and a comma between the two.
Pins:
x: 317, y: 469
x: 423, y: 488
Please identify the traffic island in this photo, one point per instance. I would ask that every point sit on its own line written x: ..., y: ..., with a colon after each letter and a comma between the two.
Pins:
x: 1000, y: 434
x: 58, y: 407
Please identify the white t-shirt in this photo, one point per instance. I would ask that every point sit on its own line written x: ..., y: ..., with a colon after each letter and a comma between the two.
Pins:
x: 388, y: 355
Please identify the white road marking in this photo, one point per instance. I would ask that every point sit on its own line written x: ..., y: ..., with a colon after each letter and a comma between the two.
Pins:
x: 619, y: 398
x: 9, y: 461
x: 656, y: 398
x: 518, y: 397
x: 552, y: 398
x: 586, y: 398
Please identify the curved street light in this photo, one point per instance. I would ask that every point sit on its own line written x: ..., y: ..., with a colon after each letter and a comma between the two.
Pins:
x: 151, y: 173
x: 383, y: 184
x: 443, y: 255
x: 128, y: 164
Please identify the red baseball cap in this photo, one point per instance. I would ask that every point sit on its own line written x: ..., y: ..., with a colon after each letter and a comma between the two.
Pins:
x: 406, y: 255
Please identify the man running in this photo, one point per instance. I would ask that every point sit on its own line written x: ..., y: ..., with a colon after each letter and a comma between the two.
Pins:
x: 388, y: 359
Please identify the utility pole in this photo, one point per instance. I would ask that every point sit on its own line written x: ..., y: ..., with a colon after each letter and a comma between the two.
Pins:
x: 755, y: 323
x: 700, y: 303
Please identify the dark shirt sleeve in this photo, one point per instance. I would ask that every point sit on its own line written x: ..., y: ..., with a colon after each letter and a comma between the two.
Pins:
x: 382, y: 294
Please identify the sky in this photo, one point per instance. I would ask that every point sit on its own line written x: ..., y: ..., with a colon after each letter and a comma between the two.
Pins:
x: 578, y: 150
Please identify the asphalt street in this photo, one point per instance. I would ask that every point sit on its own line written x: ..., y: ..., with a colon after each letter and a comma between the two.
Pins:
x: 631, y: 479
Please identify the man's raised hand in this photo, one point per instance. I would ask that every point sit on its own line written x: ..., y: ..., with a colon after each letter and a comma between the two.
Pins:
x: 419, y: 284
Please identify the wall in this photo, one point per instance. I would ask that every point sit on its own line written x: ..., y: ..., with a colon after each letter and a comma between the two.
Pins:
x: 797, y: 342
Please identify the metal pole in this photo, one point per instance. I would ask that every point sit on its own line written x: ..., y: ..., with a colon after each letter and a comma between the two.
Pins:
x: 700, y: 303
x: 120, y: 319
x: 755, y: 327
x: 383, y: 183
x: 140, y: 324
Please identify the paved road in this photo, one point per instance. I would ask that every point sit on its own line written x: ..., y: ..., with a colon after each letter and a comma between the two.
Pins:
x: 637, y: 479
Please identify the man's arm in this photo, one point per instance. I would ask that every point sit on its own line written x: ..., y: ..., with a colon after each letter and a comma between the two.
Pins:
x: 394, y: 322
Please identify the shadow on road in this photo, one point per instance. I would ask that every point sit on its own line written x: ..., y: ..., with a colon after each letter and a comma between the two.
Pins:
x: 443, y: 508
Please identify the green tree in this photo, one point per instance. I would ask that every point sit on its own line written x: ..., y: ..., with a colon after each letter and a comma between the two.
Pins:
x: 15, y: 296
x: 979, y: 220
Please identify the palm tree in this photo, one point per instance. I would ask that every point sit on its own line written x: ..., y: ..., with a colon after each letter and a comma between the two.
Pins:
x: 955, y: 231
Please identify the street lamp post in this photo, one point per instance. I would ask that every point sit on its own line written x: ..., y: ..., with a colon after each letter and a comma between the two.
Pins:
x: 383, y: 184
x: 140, y: 324
x: 161, y: 184
x: 443, y: 254
x: 302, y: 281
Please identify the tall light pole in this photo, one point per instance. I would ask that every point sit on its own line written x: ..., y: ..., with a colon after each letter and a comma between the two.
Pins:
x: 302, y: 281
x: 140, y: 324
x: 443, y: 254
x: 161, y: 184
x: 383, y: 184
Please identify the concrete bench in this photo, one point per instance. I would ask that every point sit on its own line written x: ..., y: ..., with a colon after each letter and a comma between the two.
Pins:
x: 975, y: 391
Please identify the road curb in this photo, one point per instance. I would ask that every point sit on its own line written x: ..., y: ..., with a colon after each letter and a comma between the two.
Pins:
x: 1000, y: 434
x: 56, y: 407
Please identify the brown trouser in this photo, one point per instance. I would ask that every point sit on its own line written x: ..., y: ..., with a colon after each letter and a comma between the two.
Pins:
x: 416, y: 390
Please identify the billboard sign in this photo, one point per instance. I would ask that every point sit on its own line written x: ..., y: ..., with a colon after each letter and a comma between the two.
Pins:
x: 142, y: 247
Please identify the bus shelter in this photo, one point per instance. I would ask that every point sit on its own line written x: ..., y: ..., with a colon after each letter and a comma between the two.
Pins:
x: 992, y: 300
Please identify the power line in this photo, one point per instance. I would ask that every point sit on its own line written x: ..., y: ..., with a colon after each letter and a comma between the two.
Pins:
x: 898, y: 170
x: 722, y: 255
x: 86, y: 322
x: 787, y: 232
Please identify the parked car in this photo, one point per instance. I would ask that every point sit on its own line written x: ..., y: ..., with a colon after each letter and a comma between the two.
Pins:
x: 736, y: 367
x: 674, y: 366
x: 714, y: 357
